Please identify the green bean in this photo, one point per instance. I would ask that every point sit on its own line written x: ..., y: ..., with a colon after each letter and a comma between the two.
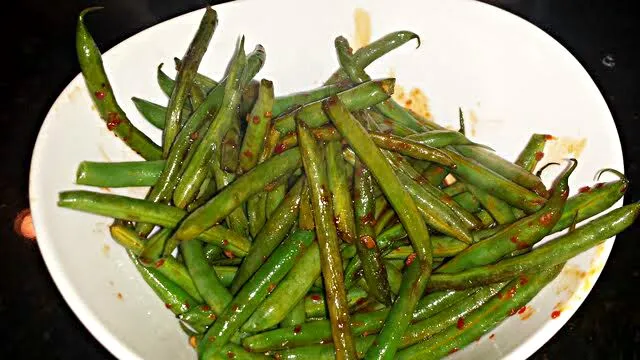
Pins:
x: 330, y: 260
x: 153, y: 112
x: 454, y: 189
x: 184, y: 79
x: 275, y: 198
x: 384, y: 124
x: 475, y: 174
x: 174, y: 297
x: 230, y: 149
x: 442, y: 138
x: 130, y: 209
x: 315, y: 304
x: 532, y: 152
x: 195, y: 170
x: 254, y: 292
x: 339, y: 189
x: 290, y: 292
x: 258, y: 122
x: 290, y: 101
x: 198, y: 318
x: 386, y: 178
x: 521, y: 234
x: 166, y: 84
x: 236, y: 352
x: 207, y: 282
x: 468, y: 202
x: 383, y: 220
x: 169, y: 267
x: 203, y: 82
x: 506, y: 169
x: 357, y: 97
x: 381, y: 205
x: 589, y: 203
x: 485, y: 218
x: 295, y: 317
x: 549, y: 254
x: 235, y: 194
x: 236, y: 220
x: 213, y: 252
x: 119, y: 174
x: 373, y: 268
x: 274, y: 231
x: 435, y: 175
x: 450, y: 316
x: 305, y: 218
x: 154, y: 245
x: 512, y: 297
x: 368, y: 54
x: 103, y: 97
x: 499, y: 210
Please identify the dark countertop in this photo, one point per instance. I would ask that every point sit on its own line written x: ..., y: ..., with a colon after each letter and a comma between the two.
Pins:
x: 39, y: 60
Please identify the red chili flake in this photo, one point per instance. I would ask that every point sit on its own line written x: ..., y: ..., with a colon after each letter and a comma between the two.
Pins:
x: 408, y: 102
x: 268, y: 114
x: 549, y: 137
x: 361, y: 301
x: 113, y: 120
x: 271, y: 287
x: 624, y: 188
x: 545, y: 219
x: 368, y: 241
x: 279, y: 148
x: 99, y: 94
x: 368, y: 219
x: 332, y: 100
x: 584, y: 189
x: 453, y: 350
x: 230, y: 355
x: 519, y: 244
x: 159, y: 263
x: 193, y: 341
x: 512, y: 312
x: 555, y: 314
x: 316, y: 297
x: 205, y: 307
x: 212, y: 316
x: 229, y: 254
x: 225, y: 242
x: 194, y: 136
x: 460, y: 323
x: 297, y: 329
x: 234, y: 308
x: 247, y: 153
x: 255, y: 119
x: 511, y: 293
x: 522, y: 310
x: 523, y: 280
x: 492, y: 336
x: 410, y: 259
x: 168, y: 306
x: 187, y: 305
x: 565, y: 194
x: 539, y: 155
x: 598, y: 185
x: 387, y: 122
x: 365, y: 334
x: 277, y: 356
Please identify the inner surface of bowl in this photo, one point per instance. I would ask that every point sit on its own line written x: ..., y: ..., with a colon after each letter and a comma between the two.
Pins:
x: 510, y: 79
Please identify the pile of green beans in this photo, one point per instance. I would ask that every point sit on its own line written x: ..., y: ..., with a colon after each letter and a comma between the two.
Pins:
x: 312, y: 231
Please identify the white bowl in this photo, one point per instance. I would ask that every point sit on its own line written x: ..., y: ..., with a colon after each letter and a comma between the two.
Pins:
x: 510, y: 78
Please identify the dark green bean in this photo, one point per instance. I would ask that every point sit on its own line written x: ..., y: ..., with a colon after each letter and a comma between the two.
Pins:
x: 119, y: 174
x: 339, y: 189
x: 258, y: 122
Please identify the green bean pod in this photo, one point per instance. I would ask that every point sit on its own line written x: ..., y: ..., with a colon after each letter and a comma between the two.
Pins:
x: 236, y: 220
x: 258, y: 122
x: 386, y: 178
x: 230, y: 149
x: 290, y: 292
x: 454, y: 189
x: 504, y: 168
x: 295, y: 317
x: 272, y: 234
x: 554, y: 252
x: 254, y: 292
x: 153, y: 112
x: 373, y: 268
x: 236, y: 194
x: 339, y: 189
x: 184, y: 78
x: 203, y: 82
x: 119, y: 174
x: 130, y: 209
x: 521, y: 234
x: 468, y: 202
x: 441, y: 138
x: 195, y: 171
x: 315, y: 304
x: 330, y: 259
x: 511, y: 298
x: 207, y: 282
x: 532, y: 152
x: 166, y: 84
x: 103, y: 97
x: 290, y: 101
x: 499, y: 210
x: 358, y: 97
x: 383, y: 220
